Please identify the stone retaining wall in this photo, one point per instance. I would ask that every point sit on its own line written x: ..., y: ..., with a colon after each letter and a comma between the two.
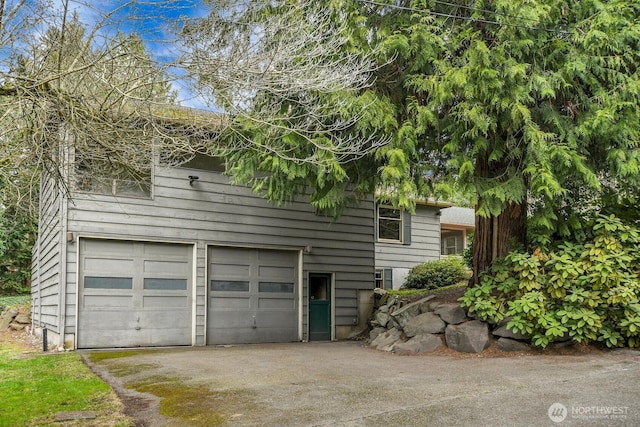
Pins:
x: 12, y: 318
x: 425, y: 325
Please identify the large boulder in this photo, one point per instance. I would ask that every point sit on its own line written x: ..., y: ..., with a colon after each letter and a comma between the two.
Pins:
x: 425, y: 323
x: 430, y: 306
x: 24, y: 318
x: 468, y: 337
x: 508, y: 344
x: 503, y: 332
x: 426, y: 304
x: 7, y: 317
x: 424, y: 343
x: 451, y: 313
x: 373, y: 334
x: 382, y: 319
x: 386, y: 340
x: 409, y: 311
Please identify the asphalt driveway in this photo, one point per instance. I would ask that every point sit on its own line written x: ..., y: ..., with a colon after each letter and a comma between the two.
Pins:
x: 346, y: 384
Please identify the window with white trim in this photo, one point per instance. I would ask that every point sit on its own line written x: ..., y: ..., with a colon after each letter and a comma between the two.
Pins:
x: 389, y: 224
x: 451, y: 242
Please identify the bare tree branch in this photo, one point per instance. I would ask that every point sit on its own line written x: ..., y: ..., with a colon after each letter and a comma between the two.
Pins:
x: 282, y: 66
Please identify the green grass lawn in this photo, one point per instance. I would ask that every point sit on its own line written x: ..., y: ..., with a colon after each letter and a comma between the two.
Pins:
x: 36, y: 386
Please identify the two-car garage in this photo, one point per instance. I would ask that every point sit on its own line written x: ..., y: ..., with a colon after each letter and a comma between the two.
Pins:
x: 134, y: 293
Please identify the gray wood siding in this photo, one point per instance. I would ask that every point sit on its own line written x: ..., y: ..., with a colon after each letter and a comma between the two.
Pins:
x: 424, y: 246
x: 45, y: 285
x: 214, y: 212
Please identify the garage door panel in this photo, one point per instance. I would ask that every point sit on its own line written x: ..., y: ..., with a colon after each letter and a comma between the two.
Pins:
x: 108, y: 301
x: 120, y: 265
x: 232, y: 270
x: 276, y: 303
x: 285, y: 272
x: 108, y: 338
x: 169, y: 267
x: 169, y: 336
x: 155, y: 306
x: 168, y: 301
x: 233, y: 319
x: 266, y: 309
x: 273, y: 319
x: 108, y: 320
x: 229, y: 303
x: 153, y: 320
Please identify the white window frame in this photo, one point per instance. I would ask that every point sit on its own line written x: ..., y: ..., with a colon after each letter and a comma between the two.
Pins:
x: 399, y: 220
x: 379, y: 280
x: 448, y: 247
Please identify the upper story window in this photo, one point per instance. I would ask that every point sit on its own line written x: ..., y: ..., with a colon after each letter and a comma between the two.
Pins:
x: 101, y: 172
x: 389, y: 224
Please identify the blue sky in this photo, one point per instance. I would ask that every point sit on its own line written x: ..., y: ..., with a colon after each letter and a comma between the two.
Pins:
x: 151, y: 19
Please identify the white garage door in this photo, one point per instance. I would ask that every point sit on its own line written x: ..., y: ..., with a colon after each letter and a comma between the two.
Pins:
x: 134, y: 294
x: 253, y: 296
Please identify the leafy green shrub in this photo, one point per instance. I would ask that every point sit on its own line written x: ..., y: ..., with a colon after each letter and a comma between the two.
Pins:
x: 586, y: 291
x: 436, y: 274
x: 17, y: 235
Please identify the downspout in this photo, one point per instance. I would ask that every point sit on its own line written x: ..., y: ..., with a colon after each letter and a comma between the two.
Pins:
x: 64, y: 204
x: 63, y: 268
x: 39, y: 254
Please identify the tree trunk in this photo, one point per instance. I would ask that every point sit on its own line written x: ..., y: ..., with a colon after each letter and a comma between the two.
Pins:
x: 496, y: 236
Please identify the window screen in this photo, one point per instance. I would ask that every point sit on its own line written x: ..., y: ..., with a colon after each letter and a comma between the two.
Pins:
x: 165, y: 284
x: 276, y: 287
x: 91, y: 282
x: 229, y: 286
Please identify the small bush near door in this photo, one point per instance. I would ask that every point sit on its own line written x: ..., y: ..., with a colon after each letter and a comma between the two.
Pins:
x: 436, y: 274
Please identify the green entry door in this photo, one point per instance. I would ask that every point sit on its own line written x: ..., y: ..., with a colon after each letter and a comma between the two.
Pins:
x: 319, y: 307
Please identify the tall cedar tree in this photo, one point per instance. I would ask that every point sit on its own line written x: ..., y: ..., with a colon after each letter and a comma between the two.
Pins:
x: 527, y: 105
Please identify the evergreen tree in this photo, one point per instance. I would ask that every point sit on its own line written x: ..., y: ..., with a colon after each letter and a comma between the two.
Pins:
x: 527, y: 105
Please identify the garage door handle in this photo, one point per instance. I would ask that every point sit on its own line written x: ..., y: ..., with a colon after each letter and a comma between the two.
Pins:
x: 255, y: 325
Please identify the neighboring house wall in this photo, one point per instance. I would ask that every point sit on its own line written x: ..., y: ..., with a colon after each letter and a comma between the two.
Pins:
x: 456, y: 225
x: 211, y: 212
x: 420, y: 243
